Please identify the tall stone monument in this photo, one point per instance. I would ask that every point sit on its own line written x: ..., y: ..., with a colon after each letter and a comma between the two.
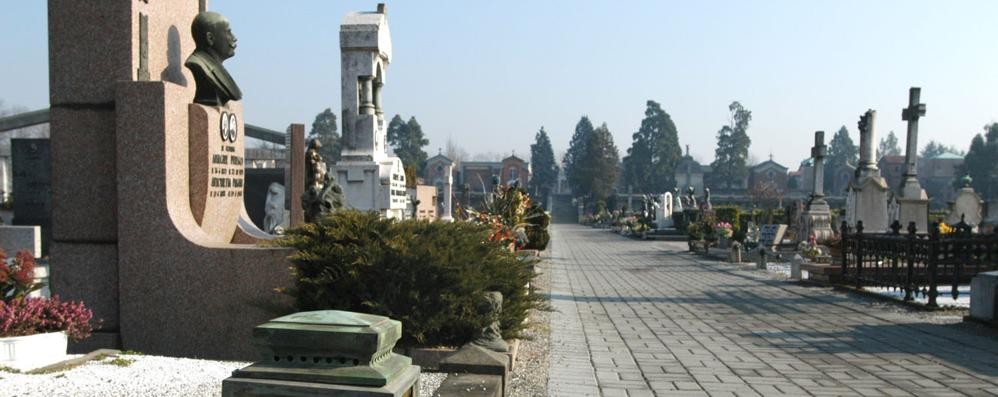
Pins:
x: 371, y: 178
x: 866, y: 197
x: 912, y: 199
x: 149, y: 227
x: 817, y: 217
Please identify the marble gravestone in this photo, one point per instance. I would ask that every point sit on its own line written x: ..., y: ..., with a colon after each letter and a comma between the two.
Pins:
x: 371, y: 178
x: 148, y: 213
x: 967, y: 206
x: 663, y: 214
x: 866, y: 197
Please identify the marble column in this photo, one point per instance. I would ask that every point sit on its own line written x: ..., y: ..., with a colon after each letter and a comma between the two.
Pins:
x: 867, y: 143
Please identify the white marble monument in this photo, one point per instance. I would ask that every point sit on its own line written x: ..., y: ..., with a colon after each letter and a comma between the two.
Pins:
x: 663, y: 213
x: 371, y: 178
x: 866, y: 198
x: 967, y: 206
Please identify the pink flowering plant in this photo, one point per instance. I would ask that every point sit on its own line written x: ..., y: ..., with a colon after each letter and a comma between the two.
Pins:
x: 723, y: 229
x: 21, y: 315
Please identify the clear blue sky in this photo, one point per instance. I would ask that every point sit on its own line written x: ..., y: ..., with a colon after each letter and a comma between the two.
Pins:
x: 490, y: 74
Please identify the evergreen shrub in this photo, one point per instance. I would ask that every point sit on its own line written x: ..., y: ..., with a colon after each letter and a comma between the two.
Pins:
x: 431, y: 276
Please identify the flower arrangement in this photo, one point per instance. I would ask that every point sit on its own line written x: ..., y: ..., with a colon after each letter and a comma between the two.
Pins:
x: 723, y: 229
x: 945, y: 229
x: 21, y: 315
x: 508, y: 212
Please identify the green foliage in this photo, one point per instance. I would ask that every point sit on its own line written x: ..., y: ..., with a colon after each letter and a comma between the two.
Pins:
x: 544, y: 169
x: 730, y: 215
x: 407, y: 140
x: 119, y: 362
x: 841, y: 151
x: 431, y: 276
x: 889, y: 146
x: 730, y: 166
x: 651, y: 160
x: 599, y: 166
x: 981, y: 162
x: 575, y: 157
x: 537, y: 231
x: 324, y: 129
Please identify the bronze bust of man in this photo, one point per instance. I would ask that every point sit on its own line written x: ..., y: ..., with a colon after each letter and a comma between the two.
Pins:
x: 214, y: 43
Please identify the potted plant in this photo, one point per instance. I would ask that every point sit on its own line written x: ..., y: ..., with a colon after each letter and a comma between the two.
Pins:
x: 724, y: 232
x: 35, y: 329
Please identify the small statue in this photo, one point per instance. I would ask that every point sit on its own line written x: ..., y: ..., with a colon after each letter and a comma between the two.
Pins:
x: 691, y: 198
x: 274, y: 209
x: 706, y: 199
x: 491, y: 336
x: 214, y: 43
x: 322, y: 194
x: 677, y: 201
x: 315, y: 168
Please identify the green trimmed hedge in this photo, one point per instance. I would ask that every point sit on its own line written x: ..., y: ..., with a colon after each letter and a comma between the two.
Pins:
x: 431, y: 276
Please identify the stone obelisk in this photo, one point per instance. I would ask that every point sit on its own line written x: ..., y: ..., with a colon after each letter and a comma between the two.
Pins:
x: 817, y: 217
x: 867, y: 194
x: 913, y: 202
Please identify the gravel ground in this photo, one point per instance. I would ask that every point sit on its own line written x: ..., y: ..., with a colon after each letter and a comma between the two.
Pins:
x: 530, y: 374
x: 140, y: 375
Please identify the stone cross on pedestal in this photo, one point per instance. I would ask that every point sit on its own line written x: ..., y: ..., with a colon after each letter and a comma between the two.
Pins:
x: 817, y: 217
x: 912, y: 200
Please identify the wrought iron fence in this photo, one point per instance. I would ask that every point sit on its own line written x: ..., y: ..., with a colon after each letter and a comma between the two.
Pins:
x: 916, y: 263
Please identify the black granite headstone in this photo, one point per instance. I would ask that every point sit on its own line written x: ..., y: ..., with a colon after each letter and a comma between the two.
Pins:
x: 31, y: 163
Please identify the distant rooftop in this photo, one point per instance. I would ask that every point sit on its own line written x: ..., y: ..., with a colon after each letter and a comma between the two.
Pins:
x: 948, y: 156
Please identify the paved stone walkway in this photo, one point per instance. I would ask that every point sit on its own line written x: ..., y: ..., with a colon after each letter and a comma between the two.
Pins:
x: 643, y: 318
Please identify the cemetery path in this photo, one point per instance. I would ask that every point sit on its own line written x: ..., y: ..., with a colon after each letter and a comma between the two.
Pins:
x: 643, y: 318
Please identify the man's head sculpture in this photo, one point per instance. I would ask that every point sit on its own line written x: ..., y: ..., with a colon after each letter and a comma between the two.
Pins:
x: 214, y: 43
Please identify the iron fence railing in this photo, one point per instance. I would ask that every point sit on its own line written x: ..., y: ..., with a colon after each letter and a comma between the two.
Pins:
x: 916, y: 263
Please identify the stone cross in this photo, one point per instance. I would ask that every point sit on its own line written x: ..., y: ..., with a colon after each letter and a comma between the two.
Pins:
x: 911, y: 114
x: 818, y: 153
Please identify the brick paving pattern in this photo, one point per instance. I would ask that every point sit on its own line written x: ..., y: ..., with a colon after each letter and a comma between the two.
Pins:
x: 643, y: 318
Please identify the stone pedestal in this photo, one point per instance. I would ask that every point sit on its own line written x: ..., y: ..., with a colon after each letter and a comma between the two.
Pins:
x: 866, y: 200
x: 984, y: 296
x: 913, y: 206
x: 374, y: 186
x: 817, y: 220
x: 329, y: 353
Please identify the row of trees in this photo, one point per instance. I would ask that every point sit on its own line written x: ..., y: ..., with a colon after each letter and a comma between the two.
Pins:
x: 591, y: 162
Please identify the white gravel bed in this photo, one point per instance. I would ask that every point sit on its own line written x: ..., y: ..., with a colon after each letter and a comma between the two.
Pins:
x: 529, y: 377
x: 140, y: 375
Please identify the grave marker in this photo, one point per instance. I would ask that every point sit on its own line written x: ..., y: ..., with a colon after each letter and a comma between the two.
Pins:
x: 771, y: 235
x: 31, y: 163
